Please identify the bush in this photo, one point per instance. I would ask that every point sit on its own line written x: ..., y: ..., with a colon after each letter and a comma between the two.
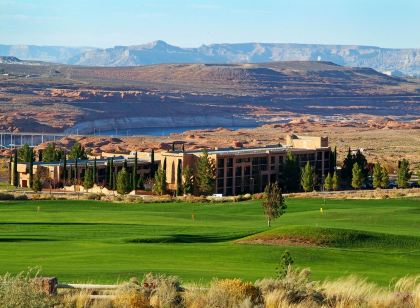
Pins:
x: 92, y: 196
x: 6, y: 197
x: 21, y: 197
x: 23, y: 290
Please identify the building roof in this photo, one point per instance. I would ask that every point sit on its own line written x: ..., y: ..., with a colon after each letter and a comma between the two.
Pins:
x: 99, y: 162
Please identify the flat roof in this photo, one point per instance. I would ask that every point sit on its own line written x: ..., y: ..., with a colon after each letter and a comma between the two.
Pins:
x: 99, y: 162
x: 256, y: 150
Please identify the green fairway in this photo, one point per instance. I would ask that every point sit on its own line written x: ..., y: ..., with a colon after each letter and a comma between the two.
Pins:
x: 83, y: 241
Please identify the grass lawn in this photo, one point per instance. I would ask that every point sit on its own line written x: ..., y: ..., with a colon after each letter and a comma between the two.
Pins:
x: 83, y: 241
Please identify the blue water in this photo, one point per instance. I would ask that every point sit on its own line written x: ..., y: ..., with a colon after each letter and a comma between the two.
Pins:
x: 157, y: 131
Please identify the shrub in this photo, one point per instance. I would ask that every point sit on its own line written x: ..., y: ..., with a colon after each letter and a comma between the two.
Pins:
x: 21, y: 197
x: 6, y: 197
x: 22, y: 290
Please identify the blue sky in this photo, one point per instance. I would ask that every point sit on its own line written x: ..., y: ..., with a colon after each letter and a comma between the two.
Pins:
x: 188, y: 23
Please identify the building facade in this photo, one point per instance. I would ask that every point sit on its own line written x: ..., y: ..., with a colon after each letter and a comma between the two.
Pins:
x: 249, y: 170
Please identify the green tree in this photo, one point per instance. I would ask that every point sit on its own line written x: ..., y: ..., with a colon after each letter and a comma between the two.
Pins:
x: 328, y: 185
x: 307, y: 179
x: 135, y: 167
x: 31, y: 169
x: 15, y: 170
x: 37, y: 184
x: 291, y: 173
x: 95, y: 172
x: 384, y: 178
x: 357, y: 177
x: 51, y: 153
x: 336, y: 181
x: 123, y: 182
x: 179, y: 179
x: 140, y: 183
x: 274, y: 205
x: 206, y: 174
x: 159, y: 186
x: 188, y: 180
x: 346, y: 170
x: 377, y: 175
x: 285, y: 262
x: 24, y: 153
x: 65, y: 173
x: 77, y: 152
x: 152, y: 164
x: 403, y: 174
x: 88, y: 179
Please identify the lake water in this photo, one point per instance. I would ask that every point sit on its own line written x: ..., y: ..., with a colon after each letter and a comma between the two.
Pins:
x: 157, y: 131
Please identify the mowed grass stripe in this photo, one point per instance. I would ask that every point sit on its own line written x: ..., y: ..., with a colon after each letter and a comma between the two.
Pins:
x: 102, y: 242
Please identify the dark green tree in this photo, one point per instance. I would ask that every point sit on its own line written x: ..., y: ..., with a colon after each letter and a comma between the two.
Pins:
x: 10, y: 173
x: 346, y: 170
x: 188, y: 175
x: 65, y: 173
x: 206, y: 174
x: 24, y: 153
x: 160, y: 186
x: 135, y: 179
x: 112, y: 174
x: 40, y: 155
x: 291, y: 173
x: 123, y: 182
x: 77, y: 151
x: 377, y: 175
x: 88, y: 178
x: 51, y: 153
x: 357, y: 177
x: 274, y: 205
x: 15, y: 169
x: 95, y: 172
x: 140, y: 183
x: 152, y: 164
x: 37, y: 184
x: 76, y: 172
x: 308, y: 177
x: 179, y: 189
x: 31, y: 169
x: 403, y: 173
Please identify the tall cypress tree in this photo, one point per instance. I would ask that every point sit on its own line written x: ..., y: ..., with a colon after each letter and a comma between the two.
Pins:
x: 112, y: 174
x: 65, y: 175
x: 179, y: 179
x: 152, y: 162
x: 134, y: 181
x: 10, y: 169
x: 15, y: 172
x: 307, y: 177
x: 95, y: 172
x: 76, y: 173
x: 31, y: 168
x: 40, y: 155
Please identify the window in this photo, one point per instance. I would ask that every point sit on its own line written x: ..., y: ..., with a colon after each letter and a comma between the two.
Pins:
x: 229, y: 172
x: 220, y: 173
x: 238, y: 160
x: 263, y: 160
x: 230, y: 162
x: 229, y: 182
x: 220, y: 163
x: 220, y: 183
x: 273, y: 159
x: 238, y: 171
x: 247, y: 170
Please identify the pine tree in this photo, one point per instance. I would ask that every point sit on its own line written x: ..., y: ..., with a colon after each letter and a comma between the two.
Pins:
x: 274, y: 205
x: 307, y: 178
x: 76, y: 173
x: 346, y: 171
x: 377, y: 176
x: 135, y: 180
x: 403, y: 174
x: 24, y: 153
x: 95, y: 172
x: 384, y: 178
x: 291, y: 173
x: 183, y: 147
x: 160, y: 182
x: 205, y: 174
x: 10, y: 169
x: 88, y: 179
x: 328, y: 185
x: 15, y: 170
x: 152, y: 164
x: 37, y: 184
x: 335, y: 181
x: 188, y: 180
x: 65, y: 175
x: 357, y: 177
x: 31, y: 168
x: 77, y: 151
x: 112, y: 174
x: 123, y: 182
x: 179, y: 179
x: 51, y: 154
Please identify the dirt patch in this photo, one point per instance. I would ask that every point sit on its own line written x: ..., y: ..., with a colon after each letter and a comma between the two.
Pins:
x: 282, y: 241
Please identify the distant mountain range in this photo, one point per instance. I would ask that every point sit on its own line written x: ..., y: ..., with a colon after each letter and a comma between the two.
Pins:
x: 390, y: 61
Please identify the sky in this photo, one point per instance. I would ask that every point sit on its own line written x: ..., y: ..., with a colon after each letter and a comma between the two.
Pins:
x: 189, y: 23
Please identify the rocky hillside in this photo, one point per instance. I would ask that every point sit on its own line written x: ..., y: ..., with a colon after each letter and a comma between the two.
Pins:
x: 58, y: 97
x: 391, y: 61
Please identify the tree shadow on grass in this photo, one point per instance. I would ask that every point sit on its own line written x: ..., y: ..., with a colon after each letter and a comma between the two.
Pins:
x: 186, y: 238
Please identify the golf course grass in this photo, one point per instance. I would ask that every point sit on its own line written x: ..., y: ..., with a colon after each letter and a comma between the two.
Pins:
x: 93, y: 241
